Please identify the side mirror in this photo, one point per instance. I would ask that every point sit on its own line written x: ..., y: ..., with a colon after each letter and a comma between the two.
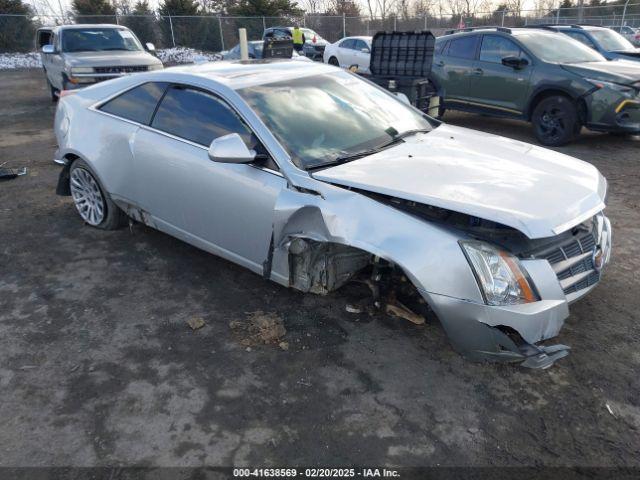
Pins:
x: 48, y: 49
x: 230, y: 149
x: 150, y: 47
x: 514, y: 62
x: 365, y: 50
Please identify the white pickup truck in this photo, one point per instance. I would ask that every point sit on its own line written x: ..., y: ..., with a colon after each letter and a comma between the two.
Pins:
x: 74, y: 56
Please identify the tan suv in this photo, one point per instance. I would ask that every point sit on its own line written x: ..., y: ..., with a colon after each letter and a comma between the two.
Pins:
x: 74, y: 56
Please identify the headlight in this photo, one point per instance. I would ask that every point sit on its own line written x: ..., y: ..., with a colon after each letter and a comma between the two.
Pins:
x: 156, y: 66
x: 501, y: 278
x: 624, y: 89
x: 78, y: 70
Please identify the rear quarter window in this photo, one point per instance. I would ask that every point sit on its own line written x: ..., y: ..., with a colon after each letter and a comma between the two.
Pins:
x: 464, y: 47
x: 137, y: 104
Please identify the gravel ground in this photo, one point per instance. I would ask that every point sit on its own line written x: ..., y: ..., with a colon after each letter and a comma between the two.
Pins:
x: 98, y: 366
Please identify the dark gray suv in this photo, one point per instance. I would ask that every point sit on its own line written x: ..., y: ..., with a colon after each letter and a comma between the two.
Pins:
x: 556, y: 83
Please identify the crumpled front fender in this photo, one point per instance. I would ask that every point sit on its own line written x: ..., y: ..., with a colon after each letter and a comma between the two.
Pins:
x: 428, y: 253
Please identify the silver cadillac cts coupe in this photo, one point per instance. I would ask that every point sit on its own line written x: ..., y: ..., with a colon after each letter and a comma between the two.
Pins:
x: 311, y: 176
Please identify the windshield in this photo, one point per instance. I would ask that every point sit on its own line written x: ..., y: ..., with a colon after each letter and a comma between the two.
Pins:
x: 321, y: 118
x: 559, y: 48
x: 612, y: 41
x: 99, y: 39
x: 309, y: 34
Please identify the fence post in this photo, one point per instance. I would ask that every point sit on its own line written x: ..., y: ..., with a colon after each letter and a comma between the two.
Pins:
x: 304, y: 21
x: 264, y: 24
x: 368, y: 26
x: 221, y: 35
x: 558, y: 15
x: 117, y: 21
x: 425, y: 22
x: 624, y: 13
x: 344, y: 25
x: 503, y: 12
x: 173, y: 39
x: 395, y: 23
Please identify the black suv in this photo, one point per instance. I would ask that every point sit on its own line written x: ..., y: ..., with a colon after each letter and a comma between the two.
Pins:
x: 537, y: 75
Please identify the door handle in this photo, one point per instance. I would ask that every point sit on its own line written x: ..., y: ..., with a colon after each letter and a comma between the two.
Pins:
x: 478, y: 71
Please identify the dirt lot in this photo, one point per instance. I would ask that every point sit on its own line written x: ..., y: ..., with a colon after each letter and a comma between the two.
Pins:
x: 99, y: 367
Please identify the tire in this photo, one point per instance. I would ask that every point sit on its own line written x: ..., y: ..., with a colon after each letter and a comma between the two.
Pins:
x: 93, y: 203
x: 334, y: 61
x: 52, y: 90
x: 555, y: 121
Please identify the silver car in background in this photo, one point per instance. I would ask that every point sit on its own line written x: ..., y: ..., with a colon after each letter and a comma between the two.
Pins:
x: 311, y: 177
x: 74, y: 56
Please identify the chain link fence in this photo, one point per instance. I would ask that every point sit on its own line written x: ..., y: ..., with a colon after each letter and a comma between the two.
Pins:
x: 214, y: 33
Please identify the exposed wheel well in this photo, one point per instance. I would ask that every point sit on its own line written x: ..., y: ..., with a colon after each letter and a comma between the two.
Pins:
x: 63, y: 182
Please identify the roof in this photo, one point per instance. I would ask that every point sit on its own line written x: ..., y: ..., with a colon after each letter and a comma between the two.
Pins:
x: 88, y: 25
x: 507, y: 31
x: 240, y: 74
x: 359, y: 37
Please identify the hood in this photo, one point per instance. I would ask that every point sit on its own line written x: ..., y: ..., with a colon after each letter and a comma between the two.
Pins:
x: 534, y: 190
x: 117, y: 58
x: 619, y: 71
x: 628, y: 54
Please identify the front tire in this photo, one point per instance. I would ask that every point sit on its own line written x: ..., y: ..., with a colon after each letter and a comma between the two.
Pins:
x: 91, y: 200
x: 555, y: 121
x: 334, y: 61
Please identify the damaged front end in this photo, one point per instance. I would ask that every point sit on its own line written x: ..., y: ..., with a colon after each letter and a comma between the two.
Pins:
x: 316, y: 249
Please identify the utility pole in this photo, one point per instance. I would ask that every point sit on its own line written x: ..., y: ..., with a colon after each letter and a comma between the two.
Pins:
x: 580, y: 11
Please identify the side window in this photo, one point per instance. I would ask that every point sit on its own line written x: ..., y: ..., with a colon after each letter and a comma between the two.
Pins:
x: 198, y: 116
x: 439, y: 47
x: 137, y: 104
x: 361, y: 45
x: 464, y: 47
x: 581, y: 37
x: 495, y: 48
x: 347, y: 43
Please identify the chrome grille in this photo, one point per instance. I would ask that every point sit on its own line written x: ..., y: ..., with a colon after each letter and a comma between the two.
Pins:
x: 130, y: 69
x: 573, y: 263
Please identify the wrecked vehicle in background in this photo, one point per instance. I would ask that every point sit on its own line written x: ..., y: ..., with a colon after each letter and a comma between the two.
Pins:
x: 311, y: 177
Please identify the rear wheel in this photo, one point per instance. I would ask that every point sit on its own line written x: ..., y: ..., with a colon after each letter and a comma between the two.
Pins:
x: 334, y: 61
x: 555, y: 120
x: 93, y: 204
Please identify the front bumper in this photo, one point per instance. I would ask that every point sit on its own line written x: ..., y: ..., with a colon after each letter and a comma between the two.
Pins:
x: 315, y: 52
x: 609, y: 111
x: 513, y: 333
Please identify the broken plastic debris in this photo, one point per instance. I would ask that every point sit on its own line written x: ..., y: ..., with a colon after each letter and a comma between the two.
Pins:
x: 352, y: 308
x: 284, y: 345
x: 195, y: 323
x: 609, y: 409
x: 399, y: 310
x: 10, y: 173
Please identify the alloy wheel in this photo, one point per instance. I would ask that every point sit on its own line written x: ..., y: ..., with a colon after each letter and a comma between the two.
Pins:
x: 87, y: 196
x: 552, y: 123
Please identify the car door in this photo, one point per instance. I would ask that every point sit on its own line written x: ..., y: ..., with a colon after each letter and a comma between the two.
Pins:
x: 55, y: 63
x: 345, y: 52
x: 221, y: 207
x: 455, y: 66
x: 497, y: 86
x: 362, y: 55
